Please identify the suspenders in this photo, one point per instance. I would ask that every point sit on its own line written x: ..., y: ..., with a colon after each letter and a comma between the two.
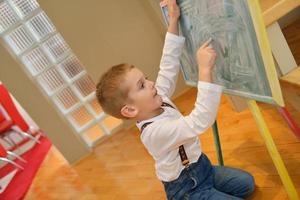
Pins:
x: 184, y: 159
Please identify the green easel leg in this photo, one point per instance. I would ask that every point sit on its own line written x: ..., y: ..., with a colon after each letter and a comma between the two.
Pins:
x: 218, y: 144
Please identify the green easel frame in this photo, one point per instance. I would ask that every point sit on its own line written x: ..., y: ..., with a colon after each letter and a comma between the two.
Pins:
x: 218, y: 143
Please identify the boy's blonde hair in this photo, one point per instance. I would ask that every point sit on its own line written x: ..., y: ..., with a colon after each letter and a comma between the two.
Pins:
x: 111, y: 92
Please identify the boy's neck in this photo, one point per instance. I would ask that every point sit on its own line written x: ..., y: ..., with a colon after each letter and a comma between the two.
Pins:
x: 155, y: 113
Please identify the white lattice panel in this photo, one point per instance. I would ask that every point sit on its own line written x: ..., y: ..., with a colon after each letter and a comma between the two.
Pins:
x: 24, y: 7
x: 71, y: 67
x: 51, y: 80
x: 19, y: 40
x: 56, y: 47
x: 7, y: 17
x: 66, y: 99
x: 85, y: 86
x: 80, y: 117
x: 40, y: 26
x: 93, y: 134
x: 35, y: 61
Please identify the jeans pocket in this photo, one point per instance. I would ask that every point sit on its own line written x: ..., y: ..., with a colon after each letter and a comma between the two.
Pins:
x: 195, y: 183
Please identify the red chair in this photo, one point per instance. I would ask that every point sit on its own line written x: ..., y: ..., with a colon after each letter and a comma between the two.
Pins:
x: 7, y: 125
x: 3, y: 125
x: 16, y: 122
x: 4, y: 157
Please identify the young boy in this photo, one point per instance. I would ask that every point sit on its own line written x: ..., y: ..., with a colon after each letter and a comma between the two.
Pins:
x: 170, y: 138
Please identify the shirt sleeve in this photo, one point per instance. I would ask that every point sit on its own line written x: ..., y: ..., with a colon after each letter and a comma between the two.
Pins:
x: 169, y: 65
x: 168, y: 134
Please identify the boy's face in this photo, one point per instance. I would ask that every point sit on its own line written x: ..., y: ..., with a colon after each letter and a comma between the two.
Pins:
x: 142, y: 95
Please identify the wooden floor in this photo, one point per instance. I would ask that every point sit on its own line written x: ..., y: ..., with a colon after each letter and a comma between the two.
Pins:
x: 120, y: 168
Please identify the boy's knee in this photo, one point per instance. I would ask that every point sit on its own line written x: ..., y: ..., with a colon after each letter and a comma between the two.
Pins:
x: 249, y: 184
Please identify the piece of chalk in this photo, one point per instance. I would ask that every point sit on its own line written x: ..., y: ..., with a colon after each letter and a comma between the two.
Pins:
x: 211, y: 40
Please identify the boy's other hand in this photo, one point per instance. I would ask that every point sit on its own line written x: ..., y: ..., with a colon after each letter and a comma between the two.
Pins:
x: 206, y: 57
x: 173, y: 10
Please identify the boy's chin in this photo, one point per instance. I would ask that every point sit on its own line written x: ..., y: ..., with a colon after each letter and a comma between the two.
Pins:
x: 159, y: 99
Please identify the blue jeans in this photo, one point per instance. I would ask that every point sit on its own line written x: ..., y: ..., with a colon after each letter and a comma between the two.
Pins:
x: 203, y: 181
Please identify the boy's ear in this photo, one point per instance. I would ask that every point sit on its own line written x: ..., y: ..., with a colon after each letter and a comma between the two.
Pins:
x: 129, y: 111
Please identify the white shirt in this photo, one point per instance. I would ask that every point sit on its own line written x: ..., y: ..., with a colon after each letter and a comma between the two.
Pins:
x: 171, y: 129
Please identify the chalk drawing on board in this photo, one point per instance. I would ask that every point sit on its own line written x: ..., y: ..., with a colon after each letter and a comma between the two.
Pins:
x: 239, y: 65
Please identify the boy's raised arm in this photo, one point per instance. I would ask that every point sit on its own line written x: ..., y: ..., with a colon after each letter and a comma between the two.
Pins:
x: 174, y: 133
x: 169, y: 64
x: 174, y: 14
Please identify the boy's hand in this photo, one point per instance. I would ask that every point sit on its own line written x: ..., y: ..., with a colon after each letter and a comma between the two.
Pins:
x: 173, y: 10
x: 174, y: 14
x: 206, y: 57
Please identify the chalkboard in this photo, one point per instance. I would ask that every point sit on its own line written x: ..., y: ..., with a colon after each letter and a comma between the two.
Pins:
x: 244, y: 64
